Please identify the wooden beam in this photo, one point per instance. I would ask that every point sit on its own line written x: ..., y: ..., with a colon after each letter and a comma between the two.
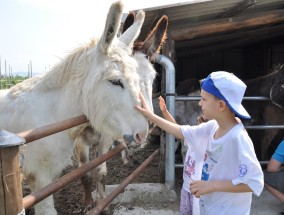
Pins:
x: 252, y: 35
x: 228, y: 41
x: 227, y: 25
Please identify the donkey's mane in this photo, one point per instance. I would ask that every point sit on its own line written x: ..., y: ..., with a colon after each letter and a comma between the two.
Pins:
x: 61, y: 73
x: 74, y: 64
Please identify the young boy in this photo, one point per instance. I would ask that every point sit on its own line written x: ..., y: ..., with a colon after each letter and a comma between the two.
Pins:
x: 224, y: 153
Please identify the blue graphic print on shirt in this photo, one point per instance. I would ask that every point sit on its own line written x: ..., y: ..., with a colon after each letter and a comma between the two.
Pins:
x: 243, y: 170
x: 205, y: 174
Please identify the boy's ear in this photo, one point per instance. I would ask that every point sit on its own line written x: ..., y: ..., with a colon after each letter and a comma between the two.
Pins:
x: 222, y: 105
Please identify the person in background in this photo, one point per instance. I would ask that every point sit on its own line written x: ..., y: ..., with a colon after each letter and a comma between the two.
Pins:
x: 274, y: 174
x: 164, y: 110
x: 169, y: 117
x: 186, y: 198
x: 221, y: 149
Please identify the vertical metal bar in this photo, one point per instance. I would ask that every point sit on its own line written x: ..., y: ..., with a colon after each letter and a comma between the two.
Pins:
x: 170, y: 100
x: 37, y: 133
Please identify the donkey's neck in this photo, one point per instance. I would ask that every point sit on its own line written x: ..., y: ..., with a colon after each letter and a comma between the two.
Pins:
x: 64, y: 83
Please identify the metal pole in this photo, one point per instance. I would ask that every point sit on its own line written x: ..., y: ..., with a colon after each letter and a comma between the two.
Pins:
x: 264, y: 127
x: 37, y: 133
x: 170, y: 101
x: 31, y: 69
x: 197, y: 98
x: 0, y: 73
x: 106, y: 201
x: 53, y: 187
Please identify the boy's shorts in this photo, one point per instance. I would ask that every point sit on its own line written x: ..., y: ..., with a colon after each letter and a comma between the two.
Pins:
x: 275, y: 179
x: 186, y: 202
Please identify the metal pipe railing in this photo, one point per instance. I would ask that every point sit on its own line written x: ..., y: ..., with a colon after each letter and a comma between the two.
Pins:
x: 170, y: 101
x: 53, y: 187
x: 106, y: 201
x: 250, y: 98
x: 261, y: 163
x: 37, y: 133
x: 264, y: 127
x: 11, y: 200
x: 197, y: 98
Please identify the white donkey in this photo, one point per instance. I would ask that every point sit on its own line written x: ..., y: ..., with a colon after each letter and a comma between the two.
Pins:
x: 85, y: 136
x: 100, y: 81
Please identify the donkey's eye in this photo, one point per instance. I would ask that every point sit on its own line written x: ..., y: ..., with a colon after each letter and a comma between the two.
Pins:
x: 117, y: 83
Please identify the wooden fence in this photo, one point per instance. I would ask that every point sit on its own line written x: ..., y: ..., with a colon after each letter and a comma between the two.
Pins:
x: 11, y: 200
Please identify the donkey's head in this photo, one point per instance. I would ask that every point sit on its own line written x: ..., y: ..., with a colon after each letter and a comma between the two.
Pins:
x: 277, y: 89
x: 114, y: 81
x: 145, y: 50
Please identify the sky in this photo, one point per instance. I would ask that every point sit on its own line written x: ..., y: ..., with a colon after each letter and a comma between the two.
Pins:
x: 41, y: 32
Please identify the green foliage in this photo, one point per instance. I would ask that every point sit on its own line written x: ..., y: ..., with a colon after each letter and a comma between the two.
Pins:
x: 7, y: 82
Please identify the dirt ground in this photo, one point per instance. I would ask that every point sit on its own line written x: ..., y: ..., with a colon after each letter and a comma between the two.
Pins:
x: 68, y: 200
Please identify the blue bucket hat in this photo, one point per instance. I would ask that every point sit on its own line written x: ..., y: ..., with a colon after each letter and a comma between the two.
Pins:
x: 229, y: 88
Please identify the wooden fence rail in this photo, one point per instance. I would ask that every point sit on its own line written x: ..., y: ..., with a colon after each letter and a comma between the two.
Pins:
x: 11, y: 200
x: 53, y: 187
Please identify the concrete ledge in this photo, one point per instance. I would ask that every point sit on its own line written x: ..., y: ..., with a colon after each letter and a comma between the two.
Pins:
x: 145, y: 198
x: 140, y: 211
x: 157, y: 199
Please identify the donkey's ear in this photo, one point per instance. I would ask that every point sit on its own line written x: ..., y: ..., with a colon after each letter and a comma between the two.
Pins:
x: 128, y: 21
x: 131, y: 34
x: 156, y: 38
x: 111, y: 27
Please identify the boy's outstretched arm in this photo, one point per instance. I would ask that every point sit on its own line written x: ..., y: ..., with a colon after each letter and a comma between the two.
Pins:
x: 167, y: 126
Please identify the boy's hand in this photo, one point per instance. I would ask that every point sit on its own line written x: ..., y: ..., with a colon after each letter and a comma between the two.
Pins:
x: 145, y: 109
x: 201, y: 187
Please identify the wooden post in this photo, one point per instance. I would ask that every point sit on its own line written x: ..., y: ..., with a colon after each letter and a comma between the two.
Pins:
x: 11, y: 197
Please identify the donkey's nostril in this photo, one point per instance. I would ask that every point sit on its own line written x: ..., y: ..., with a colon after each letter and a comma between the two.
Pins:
x: 138, y: 138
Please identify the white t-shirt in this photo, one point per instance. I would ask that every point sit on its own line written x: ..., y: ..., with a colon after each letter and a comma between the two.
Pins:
x: 231, y: 157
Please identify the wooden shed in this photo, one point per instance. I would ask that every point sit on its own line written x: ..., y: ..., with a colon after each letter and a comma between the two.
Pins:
x: 245, y: 37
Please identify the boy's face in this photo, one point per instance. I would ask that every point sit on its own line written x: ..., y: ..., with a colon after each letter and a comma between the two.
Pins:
x: 209, y: 105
